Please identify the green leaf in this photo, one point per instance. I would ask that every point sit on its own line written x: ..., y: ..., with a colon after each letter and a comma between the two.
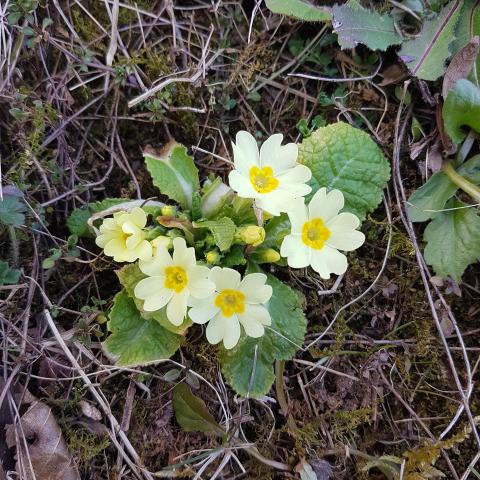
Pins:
x: 461, y: 108
x: 8, y: 276
x: 234, y: 257
x: 223, y: 231
x: 438, y: 189
x: 192, y: 414
x: 215, y: 194
x: 12, y: 211
x: 275, y: 231
x: 425, y: 55
x: 453, y: 240
x: 355, y: 24
x: 240, y: 210
x: 299, y: 9
x: 135, y: 340
x: 174, y: 173
x: 248, y: 367
x: 345, y: 158
x: 129, y: 276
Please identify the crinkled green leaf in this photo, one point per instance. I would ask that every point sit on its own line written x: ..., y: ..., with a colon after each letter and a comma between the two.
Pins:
x: 248, y: 367
x: 355, y: 24
x: 191, y: 412
x: 129, y: 276
x: 453, y: 240
x: 240, y: 210
x: 301, y: 9
x: 345, y: 158
x: 426, y: 54
x: 275, y: 231
x: 215, y: 194
x: 12, y: 211
x: 461, y: 108
x: 174, y: 173
x: 8, y: 276
x: 234, y: 257
x: 432, y: 196
x: 135, y: 340
x: 223, y: 231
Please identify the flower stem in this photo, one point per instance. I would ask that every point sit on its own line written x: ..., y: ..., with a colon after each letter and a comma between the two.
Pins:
x: 282, y: 400
x: 461, y: 182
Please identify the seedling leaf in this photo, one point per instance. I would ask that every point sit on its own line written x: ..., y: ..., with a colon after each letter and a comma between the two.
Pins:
x: 191, y: 412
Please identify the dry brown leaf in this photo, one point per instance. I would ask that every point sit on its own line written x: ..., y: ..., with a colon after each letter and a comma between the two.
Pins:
x: 47, y: 453
x: 89, y: 410
x: 461, y: 65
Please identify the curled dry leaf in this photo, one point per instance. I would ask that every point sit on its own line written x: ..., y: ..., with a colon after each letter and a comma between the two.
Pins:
x: 461, y: 65
x: 47, y: 453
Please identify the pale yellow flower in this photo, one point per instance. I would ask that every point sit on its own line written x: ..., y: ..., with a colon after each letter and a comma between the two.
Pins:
x: 251, y: 235
x: 235, y: 302
x: 172, y: 281
x: 271, y: 176
x: 123, y: 236
x: 319, y: 232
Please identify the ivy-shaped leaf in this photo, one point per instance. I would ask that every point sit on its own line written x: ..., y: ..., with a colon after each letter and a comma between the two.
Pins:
x: 355, y: 24
x: 174, y: 173
x: 12, y: 211
x: 191, y: 412
x: 135, y: 340
x: 248, y: 367
x: 8, y: 276
x: 453, y: 240
x: 129, y: 276
x: 223, y: 231
x: 345, y: 158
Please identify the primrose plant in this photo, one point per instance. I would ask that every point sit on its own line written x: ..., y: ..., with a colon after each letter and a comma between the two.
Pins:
x: 201, y: 259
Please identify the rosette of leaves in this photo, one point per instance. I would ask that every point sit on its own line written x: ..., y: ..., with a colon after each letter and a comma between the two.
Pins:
x: 209, y: 217
x: 453, y: 235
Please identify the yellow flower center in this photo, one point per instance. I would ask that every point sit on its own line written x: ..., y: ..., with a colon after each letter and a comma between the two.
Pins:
x: 315, y: 233
x: 176, y: 278
x: 262, y: 179
x: 230, y: 302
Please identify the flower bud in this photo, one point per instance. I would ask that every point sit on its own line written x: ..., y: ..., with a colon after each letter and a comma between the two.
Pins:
x: 268, y: 255
x: 168, y: 210
x: 251, y: 235
x: 162, y: 241
x: 212, y: 257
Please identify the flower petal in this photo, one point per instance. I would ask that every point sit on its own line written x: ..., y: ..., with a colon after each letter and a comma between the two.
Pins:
x: 279, y: 157
x: 153, y: 292
x: 255, y: 289
x: 298, y: 215
x: 225, y: 278
x: 157, y: 264
x: 203, y: 310
x: 297, y: 174
x: 144, y: 250
x: 215, y: 329
x: 326, y: 205
x: 115, y: 248
x: 138, y: 217
x: 275, y: 202
x: 329, y: 260
x: 254, y: 319
x: 241, y: 184
x: 177, y: 307
x: 231, y: 334
x: 183, y: 255
x: 245, y: 152
x: 198, y: 283
x: 297, y: 253
x: 347, y: 241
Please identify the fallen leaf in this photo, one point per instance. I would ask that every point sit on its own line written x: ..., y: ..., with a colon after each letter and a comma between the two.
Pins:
x: 89, y: 410
x: 47, y: 452
x: 461, y: 65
